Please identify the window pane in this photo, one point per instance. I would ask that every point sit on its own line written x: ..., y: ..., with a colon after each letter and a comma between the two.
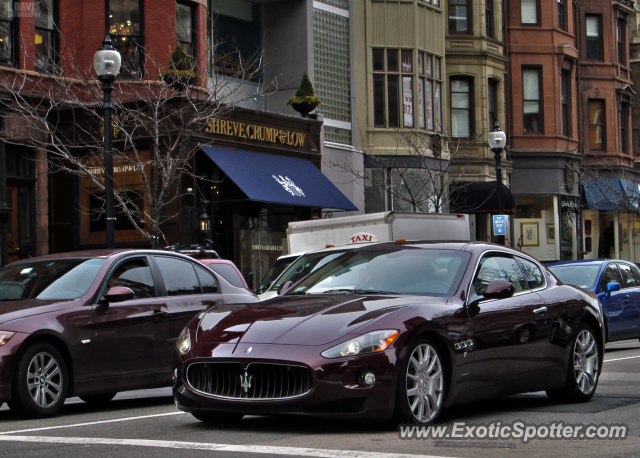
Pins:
x: 392, y: 60
x: 44, y: 14
x: 407, y: 62
x: 378, y: 100
x: 179, y: 276
x: 128, y: 48
x: 378, y: 60
x: 5, y: 40
x: 183, y: 23
x: 421, y: 63
x: 44, y: 50
x: 208, y: 281
x: 532, y: 273
x: 593, y: 26
x: 430, y: 105
x: 628, y: 281
x: 499, y: 268
x: 611, y: 275
x: 438, y: 106
x: 529, y: 11
x: 531, y: 107
x: 458, y: 18
x: 421, y: 101
x: 530, y: 84
x: 459, y: 100
x: 407, y: 100
x: 459, y: 86
x: 595, y: 113
x: 460, y: 124
x: 394, y: 101
x: 429, y: 58
x: 124, y: 17
x: 134, y: 275
x: 437, y: 74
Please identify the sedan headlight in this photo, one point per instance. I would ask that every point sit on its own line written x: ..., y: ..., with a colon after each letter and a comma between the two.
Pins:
x: 371, y: 342
x: 5, y: 336
x: 184, y: 342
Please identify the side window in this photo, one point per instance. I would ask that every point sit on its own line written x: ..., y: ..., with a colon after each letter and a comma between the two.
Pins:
x: 135, y: 275
x: 208, y: 281
x: 636, y: 274
x: 610, y: 275
x: 628, y: 280
x: 499, y: 268
x: 229, y: 273
x: 178, y: 275
x: 532, y: 273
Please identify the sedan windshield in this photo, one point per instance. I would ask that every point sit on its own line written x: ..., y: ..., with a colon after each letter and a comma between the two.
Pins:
x: 274, y: 272
x: 421, y: 272
x: 51, y: 279
x: 581, y: 276
x: 304, y: 265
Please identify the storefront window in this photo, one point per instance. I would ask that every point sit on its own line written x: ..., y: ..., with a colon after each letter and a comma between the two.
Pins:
x: 125, y: 28
x: 569, y: 212
x: 535, y: 227
x: 237, y: 38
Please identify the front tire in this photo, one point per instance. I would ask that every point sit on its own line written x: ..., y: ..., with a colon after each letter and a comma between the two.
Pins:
x: 40, y: 382
x: 218, y: 417
x: 583, y: 373
x: 420, y: 393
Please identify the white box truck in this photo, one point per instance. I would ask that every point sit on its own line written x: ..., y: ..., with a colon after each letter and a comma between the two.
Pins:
x: 316, y: 234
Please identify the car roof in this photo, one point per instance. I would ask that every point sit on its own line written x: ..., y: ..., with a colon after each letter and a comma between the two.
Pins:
x: 215, y: 261
x: 102, y: 254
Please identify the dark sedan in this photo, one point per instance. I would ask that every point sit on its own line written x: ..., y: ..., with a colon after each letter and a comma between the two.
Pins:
x: 395, y: 330
x: 617, y: 284
x: 91, y: 324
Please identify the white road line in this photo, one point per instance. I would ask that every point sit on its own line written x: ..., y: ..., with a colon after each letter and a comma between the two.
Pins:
x: 620, y: 359
x: 92, y: 423
x: 262, y: 449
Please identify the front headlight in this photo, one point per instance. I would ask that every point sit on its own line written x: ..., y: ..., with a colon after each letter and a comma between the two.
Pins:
x: 184, y: 342
x: 5, y: 336
x: 371, y: 342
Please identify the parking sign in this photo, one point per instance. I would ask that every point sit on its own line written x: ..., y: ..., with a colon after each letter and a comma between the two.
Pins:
x: 499, y: 224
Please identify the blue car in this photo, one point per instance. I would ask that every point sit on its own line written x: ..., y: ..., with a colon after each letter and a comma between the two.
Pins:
x: 617, y: 284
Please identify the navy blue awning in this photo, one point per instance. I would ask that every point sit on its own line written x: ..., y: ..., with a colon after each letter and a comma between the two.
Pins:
x: 611, y: 193
x: 278, y: 179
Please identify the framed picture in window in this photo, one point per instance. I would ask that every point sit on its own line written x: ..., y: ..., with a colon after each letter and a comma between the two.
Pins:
x: 530, y: 234
x: 551, y: 233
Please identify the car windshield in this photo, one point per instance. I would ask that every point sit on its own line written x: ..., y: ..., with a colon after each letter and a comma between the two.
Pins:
x: 51, y: 279
x: 582, y: 276
x: 274, y: 272
x: 304, y: 265
x: 423, y: 272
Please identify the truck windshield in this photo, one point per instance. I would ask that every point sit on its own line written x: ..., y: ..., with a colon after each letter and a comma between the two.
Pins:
x: 304, y: 265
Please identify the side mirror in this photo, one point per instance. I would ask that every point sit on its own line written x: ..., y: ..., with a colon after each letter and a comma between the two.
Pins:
x: 611, y: 287
x: 284, y: 288
x: 499, y: 289
x: 119, y: 294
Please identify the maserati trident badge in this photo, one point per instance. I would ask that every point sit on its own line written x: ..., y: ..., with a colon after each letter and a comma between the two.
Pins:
x: 248, y: 350
x: 245, y: 382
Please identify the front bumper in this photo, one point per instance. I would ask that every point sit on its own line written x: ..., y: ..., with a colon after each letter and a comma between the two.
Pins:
x: 337, y: 387
x: 8, y: 361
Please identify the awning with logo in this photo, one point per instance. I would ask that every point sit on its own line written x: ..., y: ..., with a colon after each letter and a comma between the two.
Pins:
x: 278, y: 179
x: 612, y: 193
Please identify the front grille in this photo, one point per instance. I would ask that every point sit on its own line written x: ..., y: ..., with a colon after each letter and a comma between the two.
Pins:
x: 257, y: 381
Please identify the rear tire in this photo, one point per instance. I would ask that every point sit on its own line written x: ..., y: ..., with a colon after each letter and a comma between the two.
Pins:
x: 420, y: 393
x: 98, y: 399
x: 583, y: 371
x: 218, y: 417
x: 40, y: 382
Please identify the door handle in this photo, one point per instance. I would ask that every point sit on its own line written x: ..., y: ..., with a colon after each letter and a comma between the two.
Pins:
x: 159, y: 313
x: 627, y: 296
x: 540, y: 311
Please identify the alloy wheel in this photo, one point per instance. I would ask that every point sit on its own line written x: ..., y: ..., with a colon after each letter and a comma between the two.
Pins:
x: 425, y: 383
x: 585, y: 361
x: 44, y: 380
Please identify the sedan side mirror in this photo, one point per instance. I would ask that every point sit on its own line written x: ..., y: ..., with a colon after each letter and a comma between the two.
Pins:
x: 611, y: 287
x: 499, y: 289
x: 284, y: 288
x: 119, y: 294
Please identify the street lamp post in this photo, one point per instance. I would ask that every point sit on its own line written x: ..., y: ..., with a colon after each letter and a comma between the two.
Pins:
x: 106, y: 63
x: 497, y: 140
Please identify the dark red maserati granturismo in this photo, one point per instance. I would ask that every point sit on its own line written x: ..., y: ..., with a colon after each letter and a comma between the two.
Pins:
x: 398, y: 330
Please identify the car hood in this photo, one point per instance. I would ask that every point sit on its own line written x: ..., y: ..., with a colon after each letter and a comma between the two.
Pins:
x: 13, y: 310
x: 299, y: 320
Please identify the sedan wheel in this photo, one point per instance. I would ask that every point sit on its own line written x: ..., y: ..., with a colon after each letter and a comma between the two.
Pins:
x: 421, y: 388
x: 583, y: 372
x: 40, y: 382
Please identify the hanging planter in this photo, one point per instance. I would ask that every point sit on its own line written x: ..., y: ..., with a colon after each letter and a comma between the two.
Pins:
x: 305, y: 100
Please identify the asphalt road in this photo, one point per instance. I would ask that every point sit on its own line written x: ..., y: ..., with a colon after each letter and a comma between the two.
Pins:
x: 146, y: 424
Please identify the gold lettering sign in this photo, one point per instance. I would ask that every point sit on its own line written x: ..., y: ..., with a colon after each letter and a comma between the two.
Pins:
x: 251, y: 132
x: 99, y: 171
